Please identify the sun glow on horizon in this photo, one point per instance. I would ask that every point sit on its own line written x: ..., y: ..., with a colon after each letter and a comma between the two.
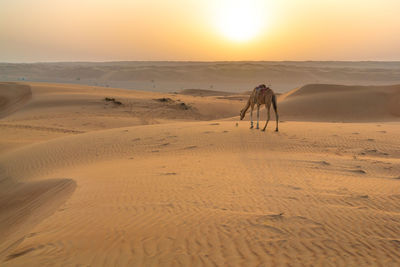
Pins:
x: 193, y: 30
x: 240, y: 20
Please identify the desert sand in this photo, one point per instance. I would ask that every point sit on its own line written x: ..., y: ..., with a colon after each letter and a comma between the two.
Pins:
x: 98, y: 176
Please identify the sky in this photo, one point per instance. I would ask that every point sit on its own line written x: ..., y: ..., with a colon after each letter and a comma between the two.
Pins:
x: 199, y: 30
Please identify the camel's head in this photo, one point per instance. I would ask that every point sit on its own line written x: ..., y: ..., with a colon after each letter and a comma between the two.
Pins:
x: 242, y: 114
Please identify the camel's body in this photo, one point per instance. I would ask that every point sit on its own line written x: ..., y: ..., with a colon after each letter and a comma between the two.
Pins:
x: 261, y: 95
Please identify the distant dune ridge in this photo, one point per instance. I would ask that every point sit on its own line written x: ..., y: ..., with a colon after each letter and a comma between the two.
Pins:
x: 220, y: 76
x: 103, y: 176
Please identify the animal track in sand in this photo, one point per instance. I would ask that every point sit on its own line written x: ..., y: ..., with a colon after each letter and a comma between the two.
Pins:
x: 396, y: 242
x: 264, y: 225
x: 165, y: 144
x: 373, y: 151
x: 361, y: 171
x: 293, y: 187
x: 323, y: 162
x: 18, y: 254
x: 278, y: 216
x: 356, y: 197
x: 278, y: 223
x: 190, y: 147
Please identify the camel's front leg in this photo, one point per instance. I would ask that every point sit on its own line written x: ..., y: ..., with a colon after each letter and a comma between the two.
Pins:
x: 251, y: 118
x: 258, y: 116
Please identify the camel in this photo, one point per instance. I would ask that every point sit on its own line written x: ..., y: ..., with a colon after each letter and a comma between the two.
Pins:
x: 261, y: 95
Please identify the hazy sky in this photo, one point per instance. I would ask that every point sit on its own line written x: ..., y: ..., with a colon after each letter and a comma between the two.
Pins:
x: 206, y: 30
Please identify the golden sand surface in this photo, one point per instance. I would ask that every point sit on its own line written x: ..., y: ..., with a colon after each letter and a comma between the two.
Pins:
x: 177, y: 180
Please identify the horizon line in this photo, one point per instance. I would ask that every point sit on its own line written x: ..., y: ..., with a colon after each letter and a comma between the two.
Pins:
x: 196, y: 61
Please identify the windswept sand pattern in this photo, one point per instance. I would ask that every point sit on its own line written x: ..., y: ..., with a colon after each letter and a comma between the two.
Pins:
x: 210, y: 193
x: 234, y: 202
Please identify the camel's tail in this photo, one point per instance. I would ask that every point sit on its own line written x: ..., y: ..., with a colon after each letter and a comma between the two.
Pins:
x: 274, y: 103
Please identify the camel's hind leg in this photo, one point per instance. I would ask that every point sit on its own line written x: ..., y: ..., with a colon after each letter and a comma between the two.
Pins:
x: 268, y: 107
x: 258, y: 116
x: 251, y: 117
x: 276, y: 111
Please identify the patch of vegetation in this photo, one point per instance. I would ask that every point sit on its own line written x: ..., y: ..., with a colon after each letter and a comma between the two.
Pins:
x: 109, y: 99
x: 184, y: 106
x: 179, y: 104
x: 164, y: 100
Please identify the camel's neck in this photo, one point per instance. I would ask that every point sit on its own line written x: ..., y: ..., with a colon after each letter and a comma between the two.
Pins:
x: 247, y: 106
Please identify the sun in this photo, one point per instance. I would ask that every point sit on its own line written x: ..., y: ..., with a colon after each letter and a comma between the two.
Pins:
x: 240, y: 20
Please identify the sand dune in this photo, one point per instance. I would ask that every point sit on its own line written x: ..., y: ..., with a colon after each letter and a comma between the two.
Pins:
x: 180, y: 187
x: 12, y: 97
x: 57, y: 110
x: 320, y: 102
